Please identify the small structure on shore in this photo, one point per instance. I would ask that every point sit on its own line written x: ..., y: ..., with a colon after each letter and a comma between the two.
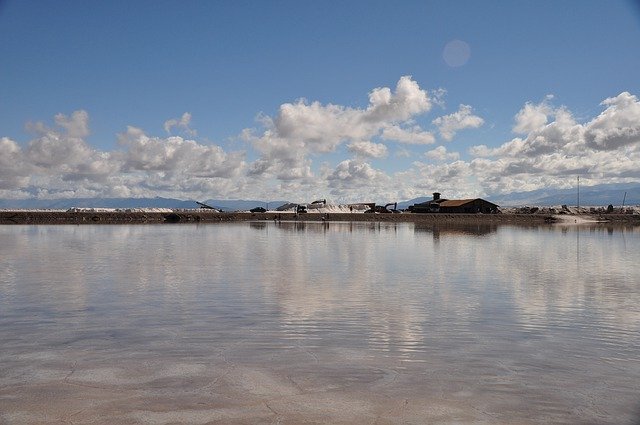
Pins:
x: 207, y: 207
x: 465, y: 206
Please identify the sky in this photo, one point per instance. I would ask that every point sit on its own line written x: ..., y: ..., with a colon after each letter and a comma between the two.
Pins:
x: 350, y: 101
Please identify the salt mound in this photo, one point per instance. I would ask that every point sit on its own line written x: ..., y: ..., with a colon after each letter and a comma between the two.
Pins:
x: 119, y: 210
x: 323, y: 209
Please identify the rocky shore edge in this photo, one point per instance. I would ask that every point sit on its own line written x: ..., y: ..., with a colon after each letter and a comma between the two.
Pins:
x: 203, y: 216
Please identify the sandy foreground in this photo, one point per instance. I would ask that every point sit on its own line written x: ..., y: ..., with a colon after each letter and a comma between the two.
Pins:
x: 221, y: 390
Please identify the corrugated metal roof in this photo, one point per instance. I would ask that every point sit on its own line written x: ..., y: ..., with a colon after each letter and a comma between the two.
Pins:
x: 456, y: 202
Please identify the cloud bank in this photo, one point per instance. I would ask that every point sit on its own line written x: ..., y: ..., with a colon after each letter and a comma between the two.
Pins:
x: 383, y: 151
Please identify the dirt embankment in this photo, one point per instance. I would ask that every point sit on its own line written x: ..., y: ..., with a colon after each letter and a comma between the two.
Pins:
x: 203, y: 216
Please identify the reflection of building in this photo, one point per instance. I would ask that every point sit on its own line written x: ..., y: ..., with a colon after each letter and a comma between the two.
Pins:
x: 259, y: 225
x: 469, y: 206
x: 461, y: 229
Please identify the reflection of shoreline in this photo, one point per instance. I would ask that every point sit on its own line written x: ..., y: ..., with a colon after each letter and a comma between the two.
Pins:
x: 323, y: 226
x: 437, y: 230
x: 456, y: 230
x: 599, y: 227
x: 200, y: 216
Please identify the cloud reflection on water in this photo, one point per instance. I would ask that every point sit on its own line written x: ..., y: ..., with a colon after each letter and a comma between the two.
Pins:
x: 472, y: 303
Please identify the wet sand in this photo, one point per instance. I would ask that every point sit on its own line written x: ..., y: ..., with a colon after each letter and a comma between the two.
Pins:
x: 131, y: 388
x: 298, y: 387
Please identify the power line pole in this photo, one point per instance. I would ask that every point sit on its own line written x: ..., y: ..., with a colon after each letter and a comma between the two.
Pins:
x: 578, y: 194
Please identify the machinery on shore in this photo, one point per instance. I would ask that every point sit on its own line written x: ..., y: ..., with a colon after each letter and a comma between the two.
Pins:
x: 207, y: 207
x: 379, y: 209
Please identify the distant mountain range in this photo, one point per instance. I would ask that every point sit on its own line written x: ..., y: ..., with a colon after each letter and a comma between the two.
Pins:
x: 589, y: 196
x: 599, y: 195
x: 63, y: 204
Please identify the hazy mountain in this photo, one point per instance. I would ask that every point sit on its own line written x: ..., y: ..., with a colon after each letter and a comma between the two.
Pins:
x: 589, y: 196
x: 63, y: 204
x: 406, y: 204
x: 600, y: 195
x: 96, y: 203
x: 242, y: 205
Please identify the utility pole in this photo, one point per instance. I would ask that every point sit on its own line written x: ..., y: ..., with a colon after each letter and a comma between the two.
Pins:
x: 578, y: 194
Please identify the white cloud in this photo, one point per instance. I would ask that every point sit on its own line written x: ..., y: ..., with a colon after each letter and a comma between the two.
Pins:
x: 77, y: 125
x: 299, y: 155
x: 182, y: 123
x: 412, y: 136
x: 302, y: 129
x: 618, y: 126
x: 440, y: 154
x: 356, y: 180
x: 59, y: 162
x: 437, y: 96
x: 563, y: 133
x: 353, y: 172
x: 603, y: 150
x: 407, y: 101
x: 455, y: 179
x: 64, y: 154
x: 532, y: 117
x: 14, y: 171
x: 449, y: 125
x: 368, y: 149
x: 403, y: 153
x: 176, y: 155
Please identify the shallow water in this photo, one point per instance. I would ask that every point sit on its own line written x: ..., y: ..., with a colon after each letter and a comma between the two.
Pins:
x: 319, y: 323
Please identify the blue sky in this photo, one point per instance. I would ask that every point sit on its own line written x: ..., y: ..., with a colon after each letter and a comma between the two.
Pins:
x: 301, y: 100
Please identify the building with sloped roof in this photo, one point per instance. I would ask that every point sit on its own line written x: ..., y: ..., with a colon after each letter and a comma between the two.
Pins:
x: 465, y: 206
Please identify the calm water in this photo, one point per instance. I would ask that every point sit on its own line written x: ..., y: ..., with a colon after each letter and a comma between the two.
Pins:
x: 319, y: 323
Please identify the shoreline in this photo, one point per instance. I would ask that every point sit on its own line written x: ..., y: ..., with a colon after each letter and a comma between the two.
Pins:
x: 39, y: 217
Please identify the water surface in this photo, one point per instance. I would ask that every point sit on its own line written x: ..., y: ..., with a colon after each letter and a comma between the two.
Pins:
x: 319, y: 323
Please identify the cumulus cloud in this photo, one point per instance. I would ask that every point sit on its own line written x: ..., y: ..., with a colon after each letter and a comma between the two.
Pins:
x: 563, y: 133
x: 440, y: 154
x: 413, y: 135
x: 63, y: 153
x: 353, y: 178
x: 368, y: 149
x: 77, y: 125
x: 183, y: 123
x: 403, y: 153
x: 618, y: 126
x: 437, y: 96
x: 176, y: 155
x: 14, y: 171
x: 533, y: 117
x: 299, y: 154
x: 407, y: 101
x: 555, y: 148
x: 58, y: 161
x: 463, y: 118
x: 455, y: 179
x: 302, y: 129
x: 353, y: 172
